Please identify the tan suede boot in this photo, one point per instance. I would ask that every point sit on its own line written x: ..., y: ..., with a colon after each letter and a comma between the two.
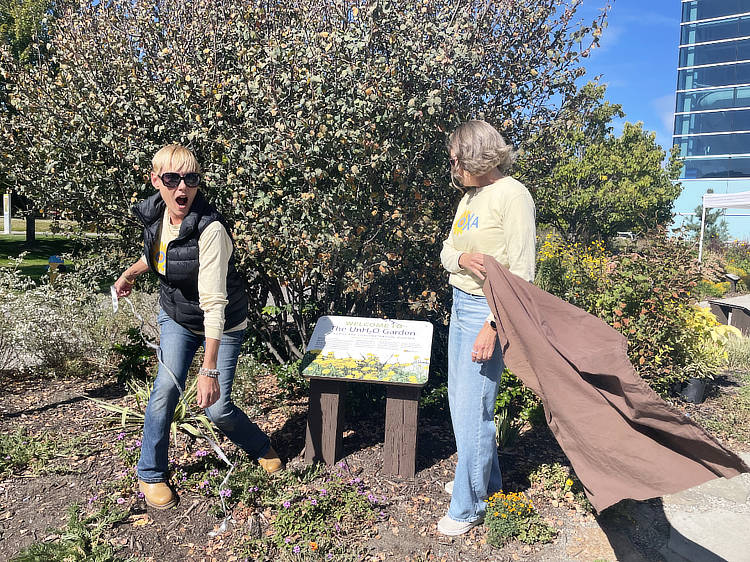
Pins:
x: 158, y: 495
x: 271, y: 462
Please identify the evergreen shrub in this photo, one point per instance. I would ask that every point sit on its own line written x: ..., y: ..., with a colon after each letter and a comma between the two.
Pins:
x: 320, y: 126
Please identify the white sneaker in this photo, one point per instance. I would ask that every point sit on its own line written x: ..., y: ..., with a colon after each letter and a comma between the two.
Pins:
x: 451, y: 527
x: 449, y: 487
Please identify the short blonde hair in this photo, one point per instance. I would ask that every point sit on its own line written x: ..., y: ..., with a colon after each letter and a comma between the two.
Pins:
x: 175, y: 157
x: 479, y: 148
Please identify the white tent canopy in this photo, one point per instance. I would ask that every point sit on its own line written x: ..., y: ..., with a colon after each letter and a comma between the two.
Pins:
x: 721, y: 201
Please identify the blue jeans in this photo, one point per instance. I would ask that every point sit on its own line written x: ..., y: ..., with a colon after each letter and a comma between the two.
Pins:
x: 178, y: 347
x: 472, y: 390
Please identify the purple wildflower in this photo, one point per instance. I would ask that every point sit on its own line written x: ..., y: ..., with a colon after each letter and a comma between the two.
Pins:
x: 314, y: 502
x: 288, y: 540
x: 323, y: 492
x: 121, y: 436
x: 137, y: 442
x: 201, y: 453
x: 286, y: 504
x: 120, y: 501
x: 140, y: 495
x: 225, y: 493
x: 296, y: 549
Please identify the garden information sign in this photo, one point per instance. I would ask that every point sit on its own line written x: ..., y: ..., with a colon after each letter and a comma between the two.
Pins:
x: 370, y: 350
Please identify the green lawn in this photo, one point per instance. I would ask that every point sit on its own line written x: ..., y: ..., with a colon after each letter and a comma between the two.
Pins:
x: 43, y: 226
x: 36, y: 261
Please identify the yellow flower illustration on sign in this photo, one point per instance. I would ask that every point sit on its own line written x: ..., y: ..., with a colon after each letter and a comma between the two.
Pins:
x: 369, y: 368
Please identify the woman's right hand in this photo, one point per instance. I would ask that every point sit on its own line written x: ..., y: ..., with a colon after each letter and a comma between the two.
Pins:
x: 474, y: 263
x: 124, y: 286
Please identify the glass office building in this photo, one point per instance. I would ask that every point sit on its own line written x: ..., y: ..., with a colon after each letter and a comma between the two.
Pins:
x: 712, y: 114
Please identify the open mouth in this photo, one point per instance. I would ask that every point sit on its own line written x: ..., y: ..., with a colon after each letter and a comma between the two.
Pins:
x: 181, y: 200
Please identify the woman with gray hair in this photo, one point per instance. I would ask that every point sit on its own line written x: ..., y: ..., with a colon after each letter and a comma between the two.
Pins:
x: 495, y: 217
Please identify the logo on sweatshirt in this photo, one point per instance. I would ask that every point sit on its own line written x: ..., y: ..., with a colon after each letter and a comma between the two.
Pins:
x: 465, y: 222
x: 160, y: 258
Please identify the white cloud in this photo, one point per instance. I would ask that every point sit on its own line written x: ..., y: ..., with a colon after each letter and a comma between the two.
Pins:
x: 651, y: 18
x: 664, y: 107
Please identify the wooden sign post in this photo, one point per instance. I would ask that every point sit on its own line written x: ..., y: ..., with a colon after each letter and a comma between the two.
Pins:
x: 372, y: 350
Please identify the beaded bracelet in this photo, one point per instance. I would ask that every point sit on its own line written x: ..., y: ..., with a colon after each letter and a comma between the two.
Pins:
x: 210, y: 373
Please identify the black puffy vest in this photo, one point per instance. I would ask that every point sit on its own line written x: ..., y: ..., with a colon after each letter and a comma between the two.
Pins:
x: 179, y: 286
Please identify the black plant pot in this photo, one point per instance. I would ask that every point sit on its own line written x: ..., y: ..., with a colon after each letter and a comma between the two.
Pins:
x: 694, y: 390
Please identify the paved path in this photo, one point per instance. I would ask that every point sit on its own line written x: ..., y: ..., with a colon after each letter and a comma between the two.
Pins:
x: 708, y: 523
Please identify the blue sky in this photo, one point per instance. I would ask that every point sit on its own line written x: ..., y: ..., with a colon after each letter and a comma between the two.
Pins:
x: 638, y: 59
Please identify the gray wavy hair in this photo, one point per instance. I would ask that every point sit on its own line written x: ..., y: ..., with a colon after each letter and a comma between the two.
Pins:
x: 479, y: 148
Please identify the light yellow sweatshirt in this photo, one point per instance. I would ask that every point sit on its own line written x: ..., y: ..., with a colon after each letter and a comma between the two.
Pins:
x: 214, y: 250
x: 498, y: 220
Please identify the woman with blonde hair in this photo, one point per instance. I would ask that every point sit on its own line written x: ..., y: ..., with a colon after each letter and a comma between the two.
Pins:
x: 203, y: 301
x: 495, y: 217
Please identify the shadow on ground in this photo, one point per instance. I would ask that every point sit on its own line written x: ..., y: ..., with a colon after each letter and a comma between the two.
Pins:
x: 107, y: 391
x: 639, y: 531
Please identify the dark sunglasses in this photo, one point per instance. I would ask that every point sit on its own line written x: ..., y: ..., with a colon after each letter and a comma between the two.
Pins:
x: 173, y: 179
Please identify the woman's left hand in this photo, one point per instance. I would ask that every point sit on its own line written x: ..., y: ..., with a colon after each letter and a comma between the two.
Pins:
x: 208, y: 391
x: 484, y: 345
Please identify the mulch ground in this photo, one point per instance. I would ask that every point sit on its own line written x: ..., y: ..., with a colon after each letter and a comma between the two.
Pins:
x: 31, y: 506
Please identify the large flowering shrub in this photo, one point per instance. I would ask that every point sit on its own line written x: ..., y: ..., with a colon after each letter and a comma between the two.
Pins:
x: 320, y: 127
x: 646, y: 295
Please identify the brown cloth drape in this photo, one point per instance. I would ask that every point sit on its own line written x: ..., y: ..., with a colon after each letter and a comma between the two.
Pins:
x: 622, y: 439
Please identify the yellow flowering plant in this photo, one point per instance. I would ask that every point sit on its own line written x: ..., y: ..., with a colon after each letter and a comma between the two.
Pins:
x: 513, y: 515
x: 707, y: 340
x: 737, y: 258
x: 572, y: 271
x: 645, y: 294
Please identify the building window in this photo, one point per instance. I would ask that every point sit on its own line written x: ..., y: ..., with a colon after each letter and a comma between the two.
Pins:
x: 713, y: 122
x: 725, y: 98
x: 713, y: 76
x: 708, y: 168
x: 707, y: 145
x: 715, y: 30
x: 706, y: 9
x: 715, y: 53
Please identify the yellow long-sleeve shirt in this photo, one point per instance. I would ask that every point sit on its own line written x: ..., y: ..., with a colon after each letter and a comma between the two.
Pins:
x: 214, y: 250
x: 498, y: 220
